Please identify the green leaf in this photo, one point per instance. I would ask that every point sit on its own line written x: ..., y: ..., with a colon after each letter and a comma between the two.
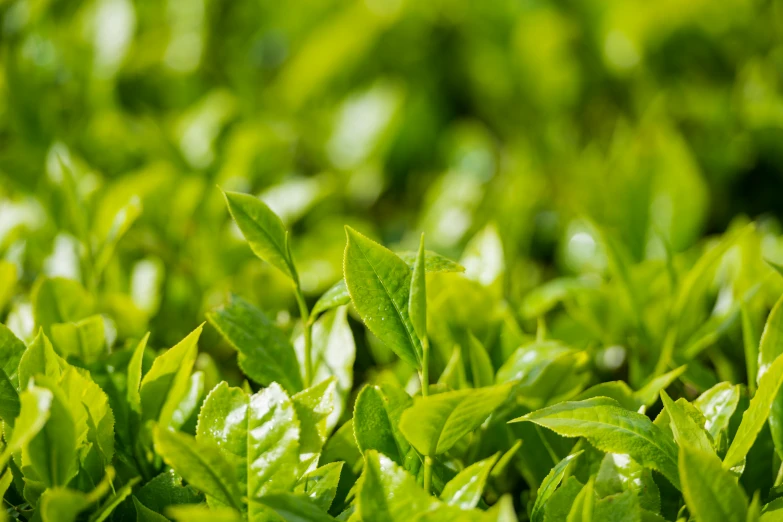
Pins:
x: 320, y: 485
x: 379, y: 284
x: 35, y: 404
x: 266, y: 354
x: 312, y: 407
x: 750, y: 341
x: 61, y: 504
x: 648, y: 394
x: 549, y: 485
x: 11, y: 351
x: 59, y: 300
x: 167, y: 490
x: 8, y: 278
x: 770, y: 348
x: 620, y: 507
x: 619, y: 473
x: 295, y: 508
x: 466, y: 488
x: 583, y: 506
x: 611, y: 428
x: 376, y: 417
x: 145, y: 514
x: 259, y: 435
x: 417, y: 300
x: 756, y: 415
x: 39, y: 359
x: 684, y: 428
x: 51, y: 453
x: 263, y: 230
x: 164, y: 386
x: 562, y: 499
x: 134, y: 374
x: 480, y: 363
x: 202, y: 513
x: 202, y: 465
x: 387, y: 493
x: 433, y: 262
x: 718, y: 405
x: 111, y: 503
x: 435, y: 423
x: 338, y: 295
x: 333, y: 356
x: 711, y: 492
x: 9, y: 400
x: 84, y: 339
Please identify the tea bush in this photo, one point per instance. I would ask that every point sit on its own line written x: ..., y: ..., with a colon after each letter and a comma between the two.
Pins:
x: 391, y: 261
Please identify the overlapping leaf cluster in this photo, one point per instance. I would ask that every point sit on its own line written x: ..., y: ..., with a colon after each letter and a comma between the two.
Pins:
x: 470, y: 418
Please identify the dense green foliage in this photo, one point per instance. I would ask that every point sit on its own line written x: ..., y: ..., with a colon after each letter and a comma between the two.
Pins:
x: 578, y: 315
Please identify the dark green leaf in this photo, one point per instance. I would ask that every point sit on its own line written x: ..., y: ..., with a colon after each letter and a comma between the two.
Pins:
x: 266, y: 354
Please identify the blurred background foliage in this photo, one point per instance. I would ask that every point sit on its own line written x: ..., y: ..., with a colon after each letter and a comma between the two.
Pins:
x: 512, y: 131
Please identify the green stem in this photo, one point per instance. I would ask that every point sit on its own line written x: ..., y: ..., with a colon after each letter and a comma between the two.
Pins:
x: 427, y: 474
x: 425, y: 391
x: 304, y: 313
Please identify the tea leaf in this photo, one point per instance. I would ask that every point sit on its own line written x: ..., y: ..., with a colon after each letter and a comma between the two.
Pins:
x: 263, y: 230
x: 611, y: 428
x: 164, y: 386
x: 435, y: 423
x: 201, y: 465
x: 710, y: 491
x: 755, y: 416
x: 548, y: 486
x: 466, y: 488
x: 379, y: 284
x: 265, y: 353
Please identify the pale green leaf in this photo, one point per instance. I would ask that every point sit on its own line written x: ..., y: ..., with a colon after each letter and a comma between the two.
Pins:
x: 35, y: 404
x: 320, y: 485
x: 84, y: 339
x: 711, y: 492
x: 718, y: 405
x: 685, y: 430
x: 465, y: 489
x: 39, y: 359
x: 583, y: 506
x: 134, y: 374
x: 435, y: 423
x: 202, y: 513
x: 549, y: 485
x: 164, y: 386
x: 51, y: 453
x: 387, y: 493
x: 756, y: 415
x: 312, y: 407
